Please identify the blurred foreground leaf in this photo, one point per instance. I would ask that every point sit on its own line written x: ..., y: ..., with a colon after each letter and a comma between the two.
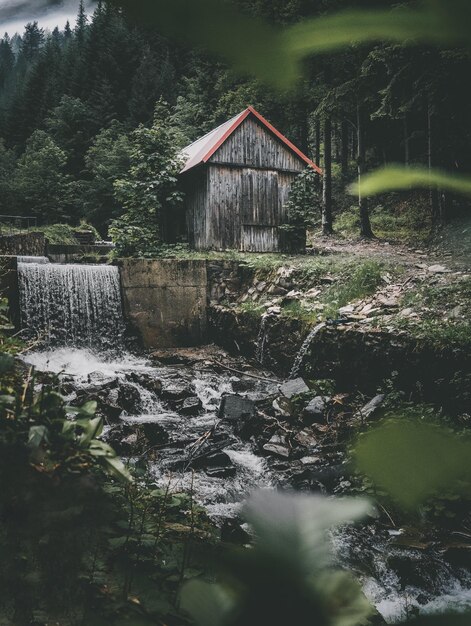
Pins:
x: 437, y: 22
x: 399, y: 177
x: 272, y: 54
x: 414, y: 461
x: 286, y: 577
x: 251, y: 45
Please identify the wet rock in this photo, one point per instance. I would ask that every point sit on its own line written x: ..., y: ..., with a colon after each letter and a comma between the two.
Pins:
x: 191, y: 406
x: 154, y: 385
x: 282, y: 407
x: 235, y: 408
x: 217, y: 465
x: 370, y: 408
x: 294, y: 387
x: 315, y: 410
x: 232, y: 532
x: 218, y: 459
x: 306, y: 438
x: 129, y: 399
x: 96, y: 378
x: 221, y: 472
x: 155, y: 434
x: 310, y: 460
x: 243, y: 384
x: 177, y: 391
x: 278, y: 445
x: 123, y: 438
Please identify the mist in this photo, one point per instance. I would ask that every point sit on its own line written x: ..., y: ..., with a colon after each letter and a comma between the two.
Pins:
x: 14, y: 14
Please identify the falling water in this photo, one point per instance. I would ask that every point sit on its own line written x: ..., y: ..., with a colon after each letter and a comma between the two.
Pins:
x: 33, y: 259
x: 261, y: 340
x: 298, y: 361
x: 71, y: 305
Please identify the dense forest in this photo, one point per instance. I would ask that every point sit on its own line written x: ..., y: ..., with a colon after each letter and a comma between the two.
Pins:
x: 71, y: 101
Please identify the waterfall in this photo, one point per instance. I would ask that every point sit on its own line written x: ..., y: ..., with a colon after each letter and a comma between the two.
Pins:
x: 261, y: 340
x: 71, y: 305
x: 298, y: 361
x: 33, y: 259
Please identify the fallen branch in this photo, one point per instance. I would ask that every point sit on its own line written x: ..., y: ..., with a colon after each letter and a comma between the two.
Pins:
x: 231, y: 369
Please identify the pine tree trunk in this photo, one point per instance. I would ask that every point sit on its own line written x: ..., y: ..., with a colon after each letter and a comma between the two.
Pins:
x: 344, y: 149
x: 433, y: 193
x: 317, y: 140
x: 406, y: 141
x: 327, y: 187
x: 365, y: 225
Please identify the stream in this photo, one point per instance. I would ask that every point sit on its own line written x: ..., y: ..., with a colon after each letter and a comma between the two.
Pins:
x: 179, y: 419
x: 395, y: 578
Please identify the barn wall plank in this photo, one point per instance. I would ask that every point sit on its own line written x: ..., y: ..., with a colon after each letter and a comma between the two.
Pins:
x: 251, y: 144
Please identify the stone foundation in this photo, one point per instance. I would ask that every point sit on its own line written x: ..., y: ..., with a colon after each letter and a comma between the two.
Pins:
x: 25, y: 244
x: 165, y: 301
x: 355, y: 359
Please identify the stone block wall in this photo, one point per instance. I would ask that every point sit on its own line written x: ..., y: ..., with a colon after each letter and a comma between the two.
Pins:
x: 165, y: 301
x: 9, y: 287
x: 25, y: 244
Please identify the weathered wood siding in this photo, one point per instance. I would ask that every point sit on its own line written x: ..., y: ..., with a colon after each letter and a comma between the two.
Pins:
x: 234, y: 208
x: 252, y: 145
x: 238, y: 199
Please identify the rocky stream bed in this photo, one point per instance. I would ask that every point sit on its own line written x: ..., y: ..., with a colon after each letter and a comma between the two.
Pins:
x: 214, y: 424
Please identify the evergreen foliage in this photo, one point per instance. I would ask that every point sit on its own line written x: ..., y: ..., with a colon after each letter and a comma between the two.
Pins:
x: 109, y: 68
x: 148, y: 192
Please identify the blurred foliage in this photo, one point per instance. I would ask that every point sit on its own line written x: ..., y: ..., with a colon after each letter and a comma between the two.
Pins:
x: 396, y: 177
x: 414, y: 461
x: 274, y: 55
x: 287, y: 577
x: 81, y: 543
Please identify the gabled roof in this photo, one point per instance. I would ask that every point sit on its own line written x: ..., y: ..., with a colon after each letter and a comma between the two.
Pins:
x: 201, y: 150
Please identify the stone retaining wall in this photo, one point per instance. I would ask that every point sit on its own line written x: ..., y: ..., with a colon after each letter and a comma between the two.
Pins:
x: 165, y: 301
x: 355, y: 359
x: 26, y: 244
x: 9, y: 287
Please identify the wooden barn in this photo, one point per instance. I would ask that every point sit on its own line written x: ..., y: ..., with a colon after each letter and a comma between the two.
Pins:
x: 237, y: 180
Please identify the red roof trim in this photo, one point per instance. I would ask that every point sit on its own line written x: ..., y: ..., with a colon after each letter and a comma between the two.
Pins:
x: 271, y: 128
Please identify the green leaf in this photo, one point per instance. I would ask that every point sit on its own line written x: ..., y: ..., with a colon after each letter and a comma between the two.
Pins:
x: 414, y: 461
x: 89, y: 408
x: 100, y: 448
x: 7, y: 363
x: 92, y: 428
x: 37, y: 435
x: 295, y: 526
x: 359, y: 26
x: 398, y: 177
x: 116, y: 467
x: 207, y: 604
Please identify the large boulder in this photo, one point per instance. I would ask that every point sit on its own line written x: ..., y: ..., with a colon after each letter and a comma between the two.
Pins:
x: 235, y: 408
x: 371, y: 408
x: 155, y: 434
x: 129, y: 399
x: 278, y: 446
x: 152, y: 384
x: 191, y: 406
x: 316, y: 409
x: 293, y: 387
